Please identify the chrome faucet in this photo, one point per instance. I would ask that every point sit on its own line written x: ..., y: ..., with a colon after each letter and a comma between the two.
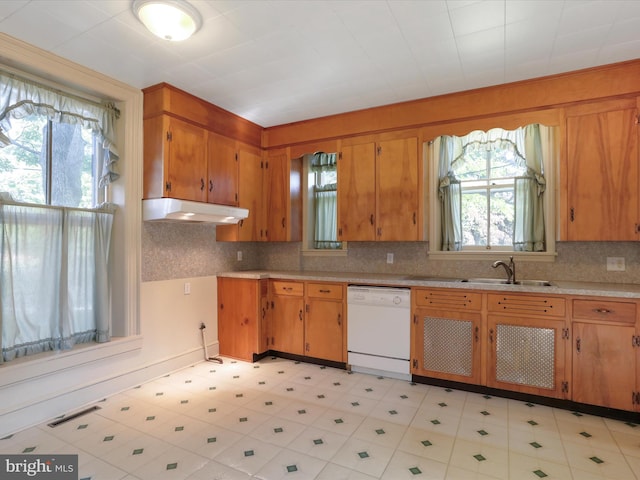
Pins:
x: 510, y: 269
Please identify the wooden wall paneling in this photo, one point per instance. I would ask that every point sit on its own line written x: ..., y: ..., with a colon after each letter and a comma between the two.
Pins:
x: 165, y: 98
x: 527, y: 95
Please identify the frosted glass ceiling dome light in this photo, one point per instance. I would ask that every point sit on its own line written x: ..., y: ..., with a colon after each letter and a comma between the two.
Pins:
x: 173, y: 20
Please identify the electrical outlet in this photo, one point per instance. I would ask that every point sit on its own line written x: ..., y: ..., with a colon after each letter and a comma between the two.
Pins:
x: 239, y: 256
x: 389, y: 257
x: 615, y: 264
x: 187, y: 288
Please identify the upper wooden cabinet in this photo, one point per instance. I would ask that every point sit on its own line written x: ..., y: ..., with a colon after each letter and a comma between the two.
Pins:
x: 378, y: 191
x: 191, y: 147
x: 601, y: 174
x: 222, y: 170
x: 357, y: 193
x: 283, y: 197
x: 250, y: 196
x: 174, y: 159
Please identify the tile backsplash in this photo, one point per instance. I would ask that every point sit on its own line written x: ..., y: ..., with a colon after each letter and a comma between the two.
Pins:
x: 180, y: 250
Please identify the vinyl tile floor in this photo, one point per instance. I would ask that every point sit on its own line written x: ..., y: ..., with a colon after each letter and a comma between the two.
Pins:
x: 279, y: 419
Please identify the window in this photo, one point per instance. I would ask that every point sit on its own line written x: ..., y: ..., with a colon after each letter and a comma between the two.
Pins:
x: 56, y: 162
x: 489, y: 192
x: 320, y: 203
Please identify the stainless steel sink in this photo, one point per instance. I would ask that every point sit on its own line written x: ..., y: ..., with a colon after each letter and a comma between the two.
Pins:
x: 498, y: 281
x: 534, y: 283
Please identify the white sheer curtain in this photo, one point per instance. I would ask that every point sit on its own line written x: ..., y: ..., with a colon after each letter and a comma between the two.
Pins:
x: 326, y: 227
x: 20, y: 97
x: 528, y: 228
x: 55, y: 277
x: 325, y: 199
x: 449, y: 192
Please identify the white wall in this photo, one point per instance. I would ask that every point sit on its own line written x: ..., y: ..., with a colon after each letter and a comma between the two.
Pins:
x: 35, y: 390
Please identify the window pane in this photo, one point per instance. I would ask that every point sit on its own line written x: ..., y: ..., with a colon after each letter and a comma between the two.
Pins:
x: 504, y: 164
x: 22, y: 163
x: 72, y: 155
x: 473, y: 166
x: 502, y: 211
x: 474, y: 218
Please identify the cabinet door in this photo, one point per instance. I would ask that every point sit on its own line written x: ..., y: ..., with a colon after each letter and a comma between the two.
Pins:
x: 287, y: 324
x: 397, y: 190
x: 238, y: 318
x: 604, y: 365
x: 250, y: 196
x: 526, y: 355
x: 324, y: 330
x: 252, y: 228
x: 187, y: 161
x: 602, y: 175
x: 283, y: 198
x: 447, y: 345
x: 265, y: 317
x: 222, y: 170
x: 356, y: 193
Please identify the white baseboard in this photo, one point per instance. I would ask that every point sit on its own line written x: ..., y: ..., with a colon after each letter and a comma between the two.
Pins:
x: 92, y: 391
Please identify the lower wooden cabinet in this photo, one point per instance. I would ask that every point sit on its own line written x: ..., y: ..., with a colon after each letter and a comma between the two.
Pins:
x: 242, y: 316
x: 446, y: 334
x: 287, y: 316
x: 527, y: 337
x: 606, y: 351
x: 325, y: 326
x: 307, y: 318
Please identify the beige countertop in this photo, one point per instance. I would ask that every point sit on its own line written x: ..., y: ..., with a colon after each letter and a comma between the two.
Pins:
x: 562, y: 287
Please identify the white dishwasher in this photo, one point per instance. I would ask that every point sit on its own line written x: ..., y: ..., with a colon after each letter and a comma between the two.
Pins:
x: 379, y: 330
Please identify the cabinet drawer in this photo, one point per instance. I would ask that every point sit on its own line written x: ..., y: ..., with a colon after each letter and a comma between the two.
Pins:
x: 527, y: 305
x: 449, y: 298
x: 603, y: 310
x: 325, y: 290
x: 283, y: 287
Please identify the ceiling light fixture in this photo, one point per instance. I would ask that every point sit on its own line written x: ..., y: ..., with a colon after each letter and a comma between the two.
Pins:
x: 173, y: 20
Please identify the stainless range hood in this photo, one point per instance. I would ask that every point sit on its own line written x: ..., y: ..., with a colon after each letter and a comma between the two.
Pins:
x: 175, y: 210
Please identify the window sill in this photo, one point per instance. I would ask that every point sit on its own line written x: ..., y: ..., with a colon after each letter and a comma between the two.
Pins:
x: 546, y: 257
x: 324, y: 253
x: 28, y: 368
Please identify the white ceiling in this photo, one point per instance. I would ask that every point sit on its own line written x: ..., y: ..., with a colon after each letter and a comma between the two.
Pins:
x: 280, y: 61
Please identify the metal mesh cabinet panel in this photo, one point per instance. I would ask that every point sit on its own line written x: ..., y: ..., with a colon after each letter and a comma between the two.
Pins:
x: 525, y: 355
x: 448, y: 345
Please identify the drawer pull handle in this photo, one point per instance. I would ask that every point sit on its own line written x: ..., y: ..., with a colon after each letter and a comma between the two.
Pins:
x: 287, y: 289
x: 325, y: 291
x: 604, y: 311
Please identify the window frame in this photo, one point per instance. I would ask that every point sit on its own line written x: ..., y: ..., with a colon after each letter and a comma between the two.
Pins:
x: 551, y: 147
x: 125, y: 256
x: 308, y: 218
